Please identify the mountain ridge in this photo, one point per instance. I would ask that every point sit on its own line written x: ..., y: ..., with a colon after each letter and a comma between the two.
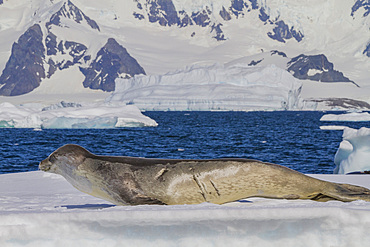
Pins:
x: 165, y: 35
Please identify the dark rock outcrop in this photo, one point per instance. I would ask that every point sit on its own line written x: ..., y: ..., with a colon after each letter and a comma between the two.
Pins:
x: 112, y: 61
x: 281, y: 32
x: 321, y: 69
x: 225, y: 14
x: 70, y: 11
x: 76, y: 52
x: 54, y: 47
x: 25, y: 67
x: 219, y: 34
x: 263, y: 15
x: 367, y: 50
x: 254, y: 63
x: 254, y: 4
x: 36, y: 56
x: 365, y: 4
x: 201, y: 18
x: 280, y: 53
x: 165, y: 13
x: 237, y: 7
x: 344, y: 103
x: 1, y: 1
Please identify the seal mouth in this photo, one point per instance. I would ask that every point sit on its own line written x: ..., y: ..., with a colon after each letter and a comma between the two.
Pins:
x: 45, y: 165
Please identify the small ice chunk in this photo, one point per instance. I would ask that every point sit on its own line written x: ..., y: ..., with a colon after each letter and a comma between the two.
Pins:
x: 350, y: 117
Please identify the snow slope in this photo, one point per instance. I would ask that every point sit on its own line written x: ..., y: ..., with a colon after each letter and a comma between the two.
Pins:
x: 40, y: 209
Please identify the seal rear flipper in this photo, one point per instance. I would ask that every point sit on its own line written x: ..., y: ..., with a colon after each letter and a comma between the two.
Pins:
x: 348, y: 193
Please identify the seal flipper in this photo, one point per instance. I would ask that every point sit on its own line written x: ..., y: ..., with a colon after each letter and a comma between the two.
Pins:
x: 348, y: 193
x: 128, y: 192
x: 139, y: 200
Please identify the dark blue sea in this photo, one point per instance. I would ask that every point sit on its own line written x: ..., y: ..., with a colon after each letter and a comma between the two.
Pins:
x: 292, y: 139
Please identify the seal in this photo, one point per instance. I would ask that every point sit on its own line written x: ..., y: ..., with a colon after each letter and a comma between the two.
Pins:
x: 135, y: 181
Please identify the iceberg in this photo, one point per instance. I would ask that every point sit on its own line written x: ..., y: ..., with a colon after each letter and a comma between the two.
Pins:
x: 72, y: 115
x: 41, y: 209
x: 353, y: 154
x: 215, y: 87
x: 349, y: 117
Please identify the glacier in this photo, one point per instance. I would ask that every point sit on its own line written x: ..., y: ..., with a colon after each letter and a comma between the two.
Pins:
x: 67, y: 115
x: 212, y: 87
x: 353, y: 154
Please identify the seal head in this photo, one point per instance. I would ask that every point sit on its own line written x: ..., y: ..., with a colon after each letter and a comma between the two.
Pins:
x: 68, y: 157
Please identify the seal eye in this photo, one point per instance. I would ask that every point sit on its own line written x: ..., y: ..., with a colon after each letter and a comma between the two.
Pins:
x: 52, y: 158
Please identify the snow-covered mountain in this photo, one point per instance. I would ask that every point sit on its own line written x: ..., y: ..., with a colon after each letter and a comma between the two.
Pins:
x: 57, y: 43
x: 46, y: 44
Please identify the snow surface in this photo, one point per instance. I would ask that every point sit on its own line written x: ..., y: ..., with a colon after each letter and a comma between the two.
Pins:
x: 351, y: 117
x: 41, y: 209
x: 353, y: 154
x: 216, y: 87
x: 64, y: 115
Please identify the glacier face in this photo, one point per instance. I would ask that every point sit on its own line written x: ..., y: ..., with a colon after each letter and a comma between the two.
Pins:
x: 216, y: 87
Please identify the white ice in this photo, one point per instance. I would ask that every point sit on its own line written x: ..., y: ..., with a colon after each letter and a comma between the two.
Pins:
x: 353, y: 154
x: 350, y: 117
x: 41, y: 209
x: 72, y: 116
x: 215, y: 87
x: 332, y: 127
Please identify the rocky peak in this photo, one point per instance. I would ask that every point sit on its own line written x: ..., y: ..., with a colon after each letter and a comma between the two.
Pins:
x: 165, y: 13
x: 359, y: 4
x: 25, y: 68
x: 37, y: 55
x: 70, y: 11
x: 112, y: 61
x: 316, y: 68
x: 367, y: 50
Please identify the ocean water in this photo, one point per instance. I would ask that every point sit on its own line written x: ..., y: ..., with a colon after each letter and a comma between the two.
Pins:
x: 292, y: 139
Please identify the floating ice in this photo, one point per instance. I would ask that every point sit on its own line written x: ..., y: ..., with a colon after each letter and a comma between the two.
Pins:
x: 216, y: 87
x: 71, y: 115
x: 352, y: 117
x: 332, y: 127
x: 353, y: 154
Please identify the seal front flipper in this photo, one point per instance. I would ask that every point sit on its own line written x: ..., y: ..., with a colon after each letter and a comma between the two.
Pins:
x: 126, y: 191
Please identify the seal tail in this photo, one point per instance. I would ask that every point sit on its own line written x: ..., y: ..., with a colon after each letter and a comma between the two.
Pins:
x: 347, y: 193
